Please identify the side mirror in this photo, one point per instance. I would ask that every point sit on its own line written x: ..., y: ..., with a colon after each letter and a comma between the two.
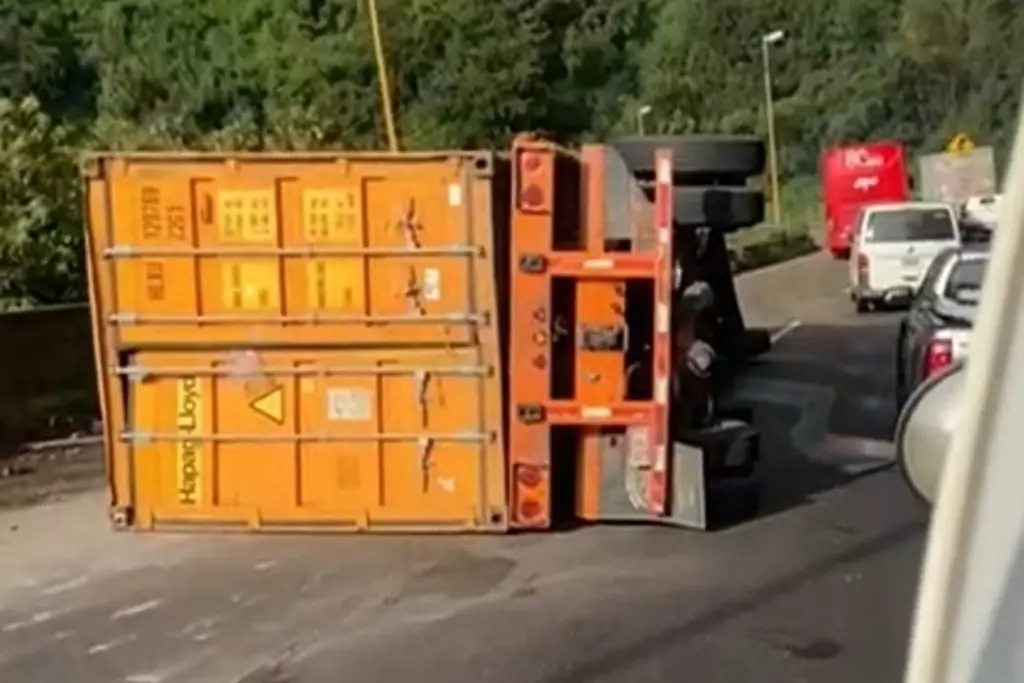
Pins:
x: 925, y: 428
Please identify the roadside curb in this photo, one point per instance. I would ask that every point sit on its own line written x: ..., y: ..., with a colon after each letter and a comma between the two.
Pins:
x: 800, y: 254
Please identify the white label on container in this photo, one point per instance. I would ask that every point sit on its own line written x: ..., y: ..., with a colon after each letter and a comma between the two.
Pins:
x: 431, y: 284
x: 455, y: 195
x: 348, y: 404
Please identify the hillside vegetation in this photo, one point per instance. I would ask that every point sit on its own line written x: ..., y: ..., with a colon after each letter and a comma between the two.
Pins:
x: 299, y: 74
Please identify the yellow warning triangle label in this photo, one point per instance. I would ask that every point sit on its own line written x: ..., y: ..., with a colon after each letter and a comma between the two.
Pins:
x: 270, y: 405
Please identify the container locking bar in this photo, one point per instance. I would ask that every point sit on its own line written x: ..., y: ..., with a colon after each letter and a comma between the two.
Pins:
x: 131, y: 318
x: 140, y: 373
x: 143, y: 438
x: 129, y: 251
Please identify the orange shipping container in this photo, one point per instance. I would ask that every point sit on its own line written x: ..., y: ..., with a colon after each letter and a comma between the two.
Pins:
x: 298, y: 340
x: 279, y: 249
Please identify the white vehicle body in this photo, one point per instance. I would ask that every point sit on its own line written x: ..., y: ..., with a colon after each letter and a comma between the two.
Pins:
x: 983, y: 209
x: 967, y: 625
x: 892, y: 247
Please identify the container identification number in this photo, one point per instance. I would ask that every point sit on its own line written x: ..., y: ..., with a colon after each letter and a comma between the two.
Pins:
x: 160, y: 220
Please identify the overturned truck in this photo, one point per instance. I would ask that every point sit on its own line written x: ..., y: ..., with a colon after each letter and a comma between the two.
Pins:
x: 451, y: 341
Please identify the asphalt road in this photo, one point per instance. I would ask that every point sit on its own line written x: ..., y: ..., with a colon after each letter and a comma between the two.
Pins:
x: 819, y: 588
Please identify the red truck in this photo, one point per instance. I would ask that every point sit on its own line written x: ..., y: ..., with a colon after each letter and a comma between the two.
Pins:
x: 853, y: 176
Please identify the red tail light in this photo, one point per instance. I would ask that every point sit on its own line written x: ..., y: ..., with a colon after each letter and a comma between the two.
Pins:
x: 535, y: 180
x: 863, y: 266
x: 528, y: 476
x: 938, y: 355
x: 531, y: 496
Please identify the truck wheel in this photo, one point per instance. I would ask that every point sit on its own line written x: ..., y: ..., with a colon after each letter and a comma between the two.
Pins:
x: 722, y: 208
x: 723, y: 156
x: 750, y: 344
x: 732, y: 502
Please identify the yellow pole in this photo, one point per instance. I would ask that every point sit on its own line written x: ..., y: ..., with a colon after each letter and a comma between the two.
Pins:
x: 773, y: 151
x: 382, y: 72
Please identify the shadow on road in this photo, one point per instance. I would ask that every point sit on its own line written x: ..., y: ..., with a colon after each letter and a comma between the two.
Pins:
x: 612, y: 661
x: 824, y: 402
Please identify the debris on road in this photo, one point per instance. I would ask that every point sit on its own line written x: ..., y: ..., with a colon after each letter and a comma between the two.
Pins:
x: 44, y: 473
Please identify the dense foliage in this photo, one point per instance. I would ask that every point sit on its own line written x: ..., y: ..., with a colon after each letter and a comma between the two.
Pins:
x: 258, y: 74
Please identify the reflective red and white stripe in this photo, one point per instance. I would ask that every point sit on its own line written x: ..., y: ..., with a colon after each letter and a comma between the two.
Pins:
x: 657, y: 485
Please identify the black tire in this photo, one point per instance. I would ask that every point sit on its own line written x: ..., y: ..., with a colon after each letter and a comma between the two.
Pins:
x: 724, y: 156
x: 754, y: 343
x: 863, y: 306
x: 742, y: 346
x: 722, y: 208
x: 733, y: 257
x: 901, y: 389
x: 901, y: 392
x: 732, y: 502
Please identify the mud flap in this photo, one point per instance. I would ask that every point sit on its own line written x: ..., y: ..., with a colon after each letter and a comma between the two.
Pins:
x: 688, y: 503
x: 712, y: 474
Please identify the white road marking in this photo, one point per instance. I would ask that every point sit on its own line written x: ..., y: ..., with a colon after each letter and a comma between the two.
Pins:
x: 135, y: 610
x: 142, y: 678
x: 262, y: 566
x: 787, y: 328
x: 247, y: 601
x: 64, y: 586
x: 201, y: 625
x: 35, y: 619
x: 110, y: 644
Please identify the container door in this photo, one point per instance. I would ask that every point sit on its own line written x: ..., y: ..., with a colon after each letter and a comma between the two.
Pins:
x: 295, y: 249
x: 361, y: 440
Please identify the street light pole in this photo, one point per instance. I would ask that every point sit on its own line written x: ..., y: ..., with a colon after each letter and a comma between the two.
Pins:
x: 382, y: 75
x: 640, y: 114
x: 773, y: 154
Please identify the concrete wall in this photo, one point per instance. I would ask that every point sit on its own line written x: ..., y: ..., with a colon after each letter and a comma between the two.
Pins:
x: 47, y: 375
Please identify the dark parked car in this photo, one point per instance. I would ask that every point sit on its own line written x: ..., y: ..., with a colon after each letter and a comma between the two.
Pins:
x: 973, y: 231
x: 936, y: 330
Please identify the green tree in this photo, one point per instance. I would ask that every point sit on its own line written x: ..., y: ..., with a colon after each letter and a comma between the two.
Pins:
x: 40, y: 217
x: 300, y: 74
